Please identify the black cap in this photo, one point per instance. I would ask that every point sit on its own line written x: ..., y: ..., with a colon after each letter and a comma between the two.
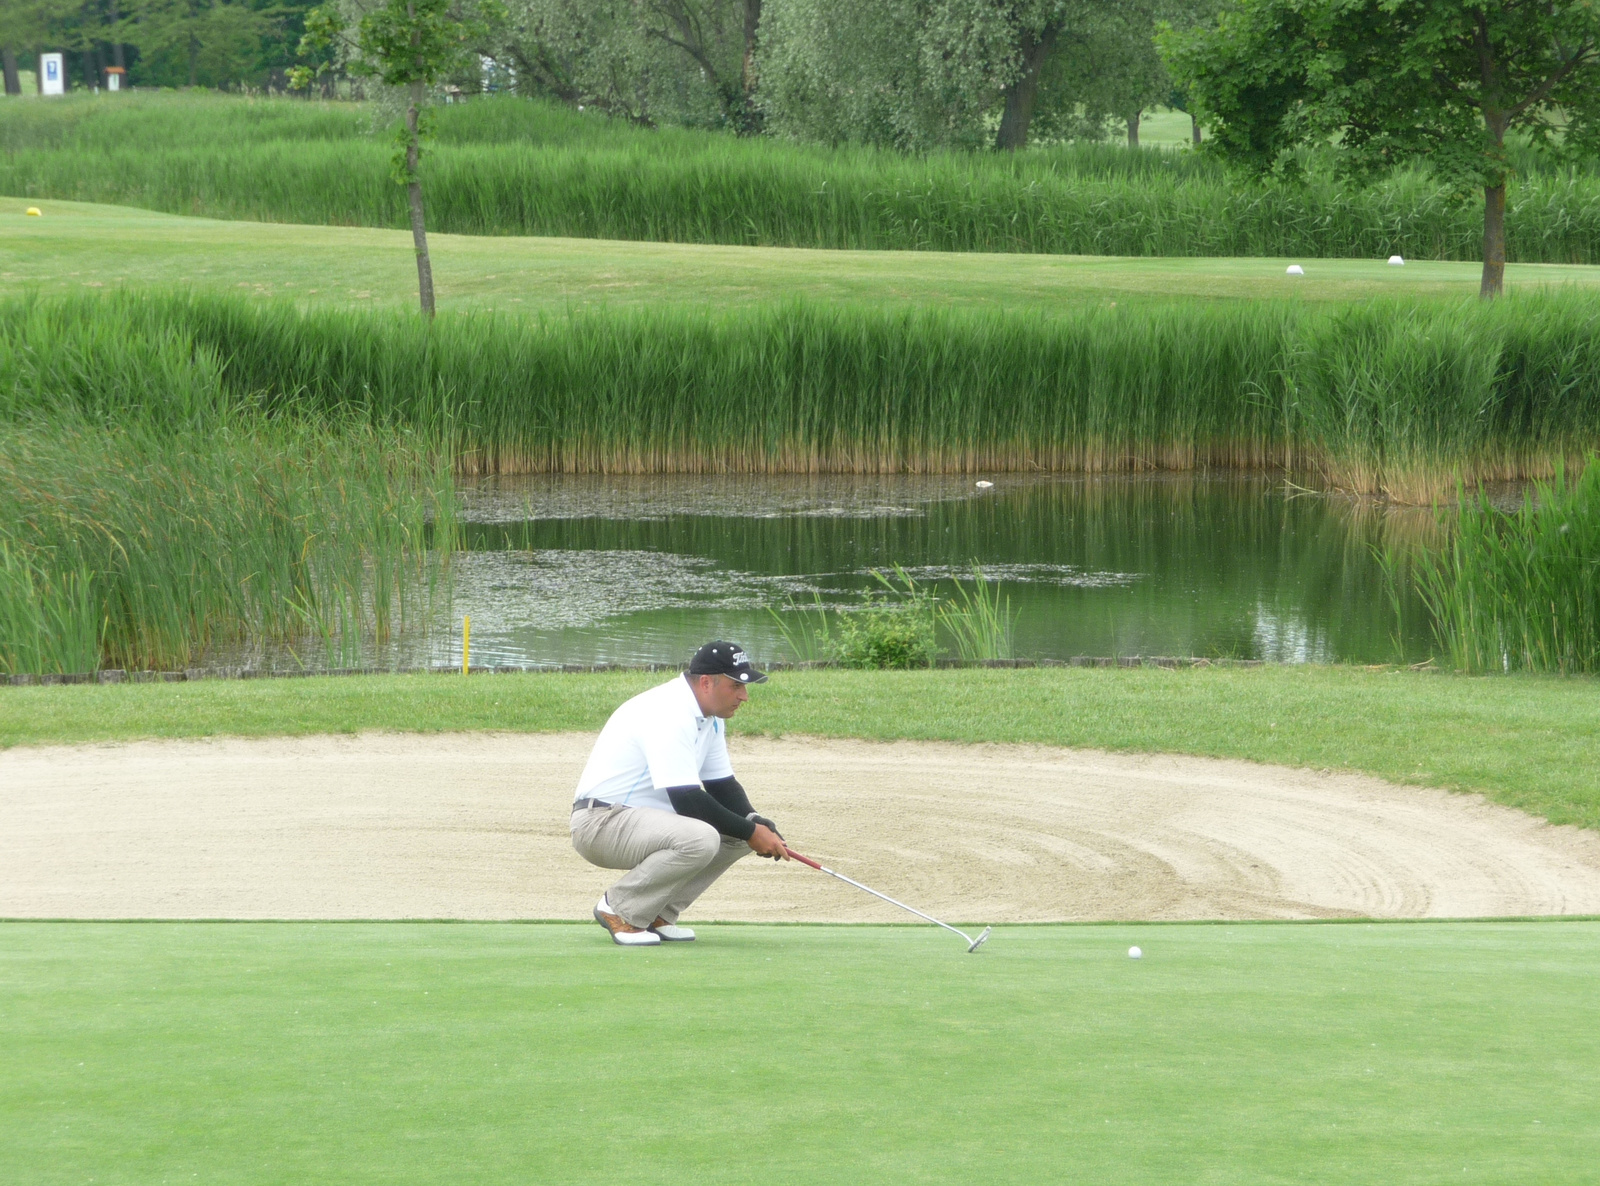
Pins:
x: 725, y: 658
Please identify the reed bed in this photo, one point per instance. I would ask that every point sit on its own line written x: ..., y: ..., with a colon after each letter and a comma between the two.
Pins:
x: 510, y: 166
x: 1403, y: 399
x: 1520, y: 590
x: 150, y: 516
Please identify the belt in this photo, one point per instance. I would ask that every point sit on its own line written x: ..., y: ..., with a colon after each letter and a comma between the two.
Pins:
x: 583, y: 804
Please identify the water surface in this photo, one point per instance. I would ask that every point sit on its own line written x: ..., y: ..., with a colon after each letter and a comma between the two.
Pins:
x: 643, y: 569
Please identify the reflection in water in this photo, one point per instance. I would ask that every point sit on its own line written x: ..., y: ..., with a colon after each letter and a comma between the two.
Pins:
x: 644, y: 569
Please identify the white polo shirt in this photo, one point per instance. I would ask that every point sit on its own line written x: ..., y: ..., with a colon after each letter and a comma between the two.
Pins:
x: 659, y: 739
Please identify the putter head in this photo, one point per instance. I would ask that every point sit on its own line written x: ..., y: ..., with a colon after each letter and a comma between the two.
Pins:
x: 978, y: 942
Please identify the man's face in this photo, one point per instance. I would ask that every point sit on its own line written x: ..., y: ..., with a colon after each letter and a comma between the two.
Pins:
x: 719, y: 695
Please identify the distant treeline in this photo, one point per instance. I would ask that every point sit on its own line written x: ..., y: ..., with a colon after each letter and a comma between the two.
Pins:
x: 905, y: 73
x: 1401, y: 398
x: 511, y: 166
x: 156, y: 43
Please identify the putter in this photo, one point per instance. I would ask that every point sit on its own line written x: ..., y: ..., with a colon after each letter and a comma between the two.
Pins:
x: 972, y: 944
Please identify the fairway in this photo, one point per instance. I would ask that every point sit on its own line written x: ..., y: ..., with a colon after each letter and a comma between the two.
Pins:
x: 440, y: 1053
x: 77, y: 246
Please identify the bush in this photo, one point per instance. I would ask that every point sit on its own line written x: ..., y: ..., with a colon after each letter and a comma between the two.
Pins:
x: 887, y: 632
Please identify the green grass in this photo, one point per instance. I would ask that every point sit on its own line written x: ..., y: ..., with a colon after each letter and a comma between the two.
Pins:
x: 1530, y: 742
x: 491, y: 1053
x: 513, y: 167
x: 77, y: 246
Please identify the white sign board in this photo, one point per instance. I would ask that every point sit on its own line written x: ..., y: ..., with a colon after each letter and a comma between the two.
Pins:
x: 113, y: 81
x: 52, y: 74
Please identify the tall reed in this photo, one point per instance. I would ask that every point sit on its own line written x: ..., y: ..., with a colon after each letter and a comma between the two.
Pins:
x: 1399, y: 398
x: 1520, y: 590
x: 510, y: 166
x: 136, y: 548
x: 979, y: 621
x: 149, y: 512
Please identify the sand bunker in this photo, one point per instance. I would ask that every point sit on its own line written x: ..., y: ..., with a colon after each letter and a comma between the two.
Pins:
x: 475, y: 826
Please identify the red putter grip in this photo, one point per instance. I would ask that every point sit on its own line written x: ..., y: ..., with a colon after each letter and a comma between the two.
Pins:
x: 801, y: 859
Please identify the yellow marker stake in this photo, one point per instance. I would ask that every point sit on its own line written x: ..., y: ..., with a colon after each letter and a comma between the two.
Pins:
x: 466, y: 644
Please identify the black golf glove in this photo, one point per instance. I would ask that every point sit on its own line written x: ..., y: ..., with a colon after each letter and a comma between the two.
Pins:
x: 757, y: 818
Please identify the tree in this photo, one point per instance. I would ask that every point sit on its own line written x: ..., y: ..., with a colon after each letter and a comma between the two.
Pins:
x: 23, y: 27
x: 411, y: 45
x: 1391, y: 81
x: 720, y: 38
x: 1038, y: 27
x: 682, y: 61
x: 925, y: 73
x: 914, y: 74
x: 208, y: 41
x: 585, y: 53
x: 1105, y: 68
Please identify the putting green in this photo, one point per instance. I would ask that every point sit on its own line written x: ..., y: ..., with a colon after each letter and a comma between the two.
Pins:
x: 77, y: 247
x: 438, y: 1053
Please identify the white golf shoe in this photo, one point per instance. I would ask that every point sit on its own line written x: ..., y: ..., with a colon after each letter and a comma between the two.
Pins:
x: 671, y: 932
x: 622, y: 933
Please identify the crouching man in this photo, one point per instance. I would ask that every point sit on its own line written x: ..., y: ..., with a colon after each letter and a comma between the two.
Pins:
x: 659, y: 799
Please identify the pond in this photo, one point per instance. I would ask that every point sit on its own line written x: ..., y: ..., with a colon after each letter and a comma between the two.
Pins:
x: 564, y: 570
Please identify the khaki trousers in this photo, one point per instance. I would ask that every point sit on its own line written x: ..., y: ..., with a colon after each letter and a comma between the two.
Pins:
x: 671, y: 859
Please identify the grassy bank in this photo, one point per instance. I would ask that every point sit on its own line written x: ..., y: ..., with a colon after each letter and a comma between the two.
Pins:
x: 77, y: 246
x: 1526, y: 741
x: 513, y: 167
x: 438, y: 1053
x: 1400, y: 398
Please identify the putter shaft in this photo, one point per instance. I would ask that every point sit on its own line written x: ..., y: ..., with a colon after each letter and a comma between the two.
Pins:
x: 972, y: 944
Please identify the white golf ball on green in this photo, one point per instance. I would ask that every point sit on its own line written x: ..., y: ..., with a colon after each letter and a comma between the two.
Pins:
x: 1134, y: 953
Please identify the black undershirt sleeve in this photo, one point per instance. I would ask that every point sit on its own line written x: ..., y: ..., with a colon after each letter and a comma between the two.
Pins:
x: 730, y: 794
x: 698, y: 804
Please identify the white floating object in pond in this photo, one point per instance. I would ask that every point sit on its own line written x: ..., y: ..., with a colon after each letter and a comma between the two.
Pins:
x: 1396, y: 262
x: 1296, y: 270
x: 985, y: 485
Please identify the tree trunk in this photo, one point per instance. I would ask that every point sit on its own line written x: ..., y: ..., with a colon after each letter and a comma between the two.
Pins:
x: 1494, y: 240
x: 1133, y: 130
x: 13, y: 79
x: 91, y: 76
x: 116, y: 46
x: 1195, y: 126
x: 194, y: 60
x: 1021, y: 94
x: 419, y: 231
x: 750, y: 125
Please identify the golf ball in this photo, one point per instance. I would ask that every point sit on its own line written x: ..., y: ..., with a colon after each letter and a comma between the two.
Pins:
x: 1134, y: 953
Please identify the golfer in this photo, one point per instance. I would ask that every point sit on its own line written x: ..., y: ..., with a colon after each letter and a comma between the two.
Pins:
x: 659, y: 799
